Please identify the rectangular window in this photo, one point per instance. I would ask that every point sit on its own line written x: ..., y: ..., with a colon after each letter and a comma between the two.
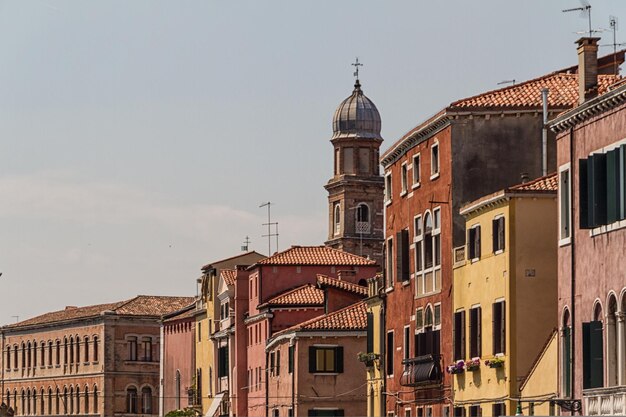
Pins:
x: 324, y: 359
x: 419, y: 320
x: 389, y: 352
x: 475, y: 332
x: 593, y: 191
x: 388, y: 187
x: 132, y: 348
x: 222, y: 361
x: 565, y: 204
x: 459, y: 411
x: 146, y: 343
x: 404, y: 178
x: 418, y: 237
x: 370, y: 332
x: 364, y: 160
x: 389, y: 263
x: 475, y: 411
x: 402, y: 261
x: 499, y: 409
x: 416, y: 170
x: 437, y: 236
x: 277, y: 370
x: 406, y: 345
x: 434, y: 160
x: 499, y: 327
x: 326, y: 413
x: 473, y: 242
x: 593, y: 356
x: 498, y: 234
x: 272, y: 363
x: 459, y: 335
x: 437, y: 315
x: 427, y: 342
x: 291, y: 354
x: 348, y: 161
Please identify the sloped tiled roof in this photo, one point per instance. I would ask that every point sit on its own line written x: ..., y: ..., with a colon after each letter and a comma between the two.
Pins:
x: 229, y: 276
x: 241, y: 255
x: 184, y: 313
x: 314, y: 255
x: 563, y: 93
x: 307, y: 294
x: 323, y: 280
x: 548, y: 183
x: 142, y: 305
x: 353, y: 317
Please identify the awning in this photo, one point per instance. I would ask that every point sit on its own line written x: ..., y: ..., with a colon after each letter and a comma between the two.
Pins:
x: 421, y: 371
x: 215, y: 404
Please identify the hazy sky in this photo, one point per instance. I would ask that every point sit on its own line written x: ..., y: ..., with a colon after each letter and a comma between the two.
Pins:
x: 138, y: 138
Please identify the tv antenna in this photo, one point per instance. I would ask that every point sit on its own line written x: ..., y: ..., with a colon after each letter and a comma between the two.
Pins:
x: 269, y: 225
x: 507, y: 82
x: 585, y: 11
x: 246, y: 244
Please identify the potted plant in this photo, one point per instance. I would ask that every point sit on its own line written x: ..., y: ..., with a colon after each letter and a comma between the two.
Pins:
x: 496, y: 362
x: 368, y: 357
x: 456, y: 368
x: 473, y: 364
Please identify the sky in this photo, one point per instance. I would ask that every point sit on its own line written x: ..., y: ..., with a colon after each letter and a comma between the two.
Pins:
x: 138, y: 139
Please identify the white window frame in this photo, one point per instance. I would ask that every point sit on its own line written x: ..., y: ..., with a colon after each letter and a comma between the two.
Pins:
x: 390, y: 351
x: 388, y: 188
x: 474, y: 226
x: 420, y: 328
x: 406, y: 340
x: 565, y: 168
x: 337, y: 218
x: 436, y: 326
x: 418, y: 239
x: 436, y: 232
x: 493, y: 233
x: 404, y: 179
x: 417, y: 174
x: 389, y: 260
x: 435, y: 173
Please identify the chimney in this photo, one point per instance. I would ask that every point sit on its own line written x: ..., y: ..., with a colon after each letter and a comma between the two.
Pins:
x: 587, y: 68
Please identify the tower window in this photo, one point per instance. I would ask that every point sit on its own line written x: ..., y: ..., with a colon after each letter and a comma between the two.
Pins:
x: 364, y: 160
x: 363, y: 219
x: 337, y: 218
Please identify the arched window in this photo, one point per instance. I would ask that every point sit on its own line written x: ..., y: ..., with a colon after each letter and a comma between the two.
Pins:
x: 146, y: 400
x: 28, y: 401
x: 77, y: 408
x: 8, y: 398
x: 15, y: 360
x: 50, y: 401
x: 95, y: 348
x: 199, y: 385
x: 58, y: 355
x: 177, y: 404
x: 363, y: 219
x: 131, y: 400
x: 28, y: 353
x: 428, y: 317
x: 566, y: 354
x: 77, y: 350
x: 71, y: 399
x: 23, y: 357
x: 43, y: 353
x: 611, y: 341
x: 337, y: 218
x: 49, y: 353
x: 23, y: 402
x: 87, y: 399
x: 35, y: 344
x: 42, y: 407
x: 428, y: 247
x: 64, y: 401
x: 34, y: 401
x: 95, y: 399
x: 86, y: 349
x: 71, y: 349
x: 65, y: 351
x: 8, y: 361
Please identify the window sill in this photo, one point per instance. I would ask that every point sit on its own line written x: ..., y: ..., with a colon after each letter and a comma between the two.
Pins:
x: 498, y: 252
x: 387, y: 202
x: 474, y: 260
x: 620, y: 224
x: 403, y: 193
x: 325, y: 373
x: 388, y: 290
x: 566, y: 241
x: 434, y: 176
x: 405, y: 283
x: 416, y: 185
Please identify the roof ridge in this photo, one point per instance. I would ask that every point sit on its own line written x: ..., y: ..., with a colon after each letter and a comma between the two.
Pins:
x: 324, y: 316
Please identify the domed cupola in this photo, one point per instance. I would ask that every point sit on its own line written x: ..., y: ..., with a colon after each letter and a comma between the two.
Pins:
x: 357, y: 117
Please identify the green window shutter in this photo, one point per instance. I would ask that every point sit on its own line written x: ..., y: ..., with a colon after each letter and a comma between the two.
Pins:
x: 622, y: 182
x: 583, y: 191
x: 278, y: 363
x: 339, y: 359
x: 458, y: 338
x: 495, y: 235
x: 593, y: 374
x: 399, y: 256
x: 479, y: 332
x: 312, y: 359
x: 503, y: 326
x: 370, y: 332
x: 597, y: 193
x: 612, y: 186
x: 291, y: 357
x: 567, y: 359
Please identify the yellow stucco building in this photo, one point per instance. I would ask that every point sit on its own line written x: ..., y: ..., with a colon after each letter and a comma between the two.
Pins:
x: 505, y: 296
x: 207, y: 313
x: 374, y: 352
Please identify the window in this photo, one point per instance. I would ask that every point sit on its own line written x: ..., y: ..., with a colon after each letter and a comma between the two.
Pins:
x: 86, y: 359
x: 337, y: 218
x: 86, y: 399
x: 437, y: 236
x: 565, y: 203
x: 8, y: 361
x: 95, y: 348
x: 388, y: 187
x: 593, y: 355
x: 404, y: 178
x: 429, y: 317
x: 131, y: 400
x: 362, y: 219
x: 498, y: 234
x: 419, y: 320
x: 222, y: 361
x: 473, y: 242
x: 416, y: 171
x: 272, y: 363
x: 406, y: 345
x: 277, y: 368
x: 324, y: 359
x: 402, y: 261
x: 459, y: 411
x: 292, y: 351
x: 475, y: 332
x: 434, y: 160
x: 58, y: 355
x: 132, y: 348
x: 364, y: 161
x: 475, y: 411
x: 275, y: 412
x: 389, y: 263
x: 418, y: 237
x: 146, y: 400
x: 389, y: 352
x: 146, y: 343
x: 499, y: 327
x: 566, y: 354
x: 348, y: 161
x: 437, y: 315
x: 326, y: 412
x: 499, y: 409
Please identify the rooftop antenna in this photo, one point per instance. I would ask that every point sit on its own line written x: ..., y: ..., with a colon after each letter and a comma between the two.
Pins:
x: 507, y: 82
x: 246, y: 244
x: 613, y: 25
x: 269, y: 225
x: 356, y: 66
x: 585, y: 11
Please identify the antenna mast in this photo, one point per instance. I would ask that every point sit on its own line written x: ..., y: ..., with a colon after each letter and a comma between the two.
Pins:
x: 246, y: 244
x: 269, y: 225
x: 584, y: 8
x: 613, y: 24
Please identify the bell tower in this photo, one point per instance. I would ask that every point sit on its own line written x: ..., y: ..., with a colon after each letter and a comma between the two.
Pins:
x: 356, y: 189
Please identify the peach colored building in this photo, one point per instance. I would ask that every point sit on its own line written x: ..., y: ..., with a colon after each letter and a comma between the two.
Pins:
x: 314, y: 368
x: 95, y: 360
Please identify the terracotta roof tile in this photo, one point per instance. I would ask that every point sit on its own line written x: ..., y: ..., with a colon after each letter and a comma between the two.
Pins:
x: 314, y: 255
x: 563, y: 93
x: 209, y: 265
x: 323, y: 280
x: 184, y: 313
x: 353, y: 317
x: 229, y: 276
x: 547, y: 183
x: 142, y: 305
x: 307, y: 294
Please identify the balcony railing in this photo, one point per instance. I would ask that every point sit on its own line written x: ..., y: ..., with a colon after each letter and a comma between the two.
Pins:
x: 420, y: 371
x: 609, y: 401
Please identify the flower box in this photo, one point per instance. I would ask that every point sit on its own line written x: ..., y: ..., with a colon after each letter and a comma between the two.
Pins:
x: 472, y: 365
x: 495, y: 362
x: 456, y: 368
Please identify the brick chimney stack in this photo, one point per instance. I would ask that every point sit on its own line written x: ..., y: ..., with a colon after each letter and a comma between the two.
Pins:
x: 587, y: 68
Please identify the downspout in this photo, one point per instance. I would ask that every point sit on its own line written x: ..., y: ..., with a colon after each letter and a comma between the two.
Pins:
x: 3, y: 366
x: 573, y: 267
x: 267, y: 386
x: 383, y: 398
x: 161, y: 368
x: 293, y: 377
x: 544, y: 136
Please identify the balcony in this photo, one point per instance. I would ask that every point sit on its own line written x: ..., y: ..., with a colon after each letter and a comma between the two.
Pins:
x: 609, y: 401
x: 421, y: 371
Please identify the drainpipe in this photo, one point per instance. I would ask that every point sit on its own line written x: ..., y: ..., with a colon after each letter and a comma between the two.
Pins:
x: 544, y: 136
x: 161, y: 368
x: 267, y: 386
x: 573, y: 267
x: 3, y: 366
x: 293, y: 377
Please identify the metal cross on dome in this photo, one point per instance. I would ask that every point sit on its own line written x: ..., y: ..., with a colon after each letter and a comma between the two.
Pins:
x: 357, y: 65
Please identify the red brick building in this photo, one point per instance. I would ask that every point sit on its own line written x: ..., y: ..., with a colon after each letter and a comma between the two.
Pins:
x: 314, y: 368
x: 96, y: 360
x: 591, y: 159
x: 472, y: 147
